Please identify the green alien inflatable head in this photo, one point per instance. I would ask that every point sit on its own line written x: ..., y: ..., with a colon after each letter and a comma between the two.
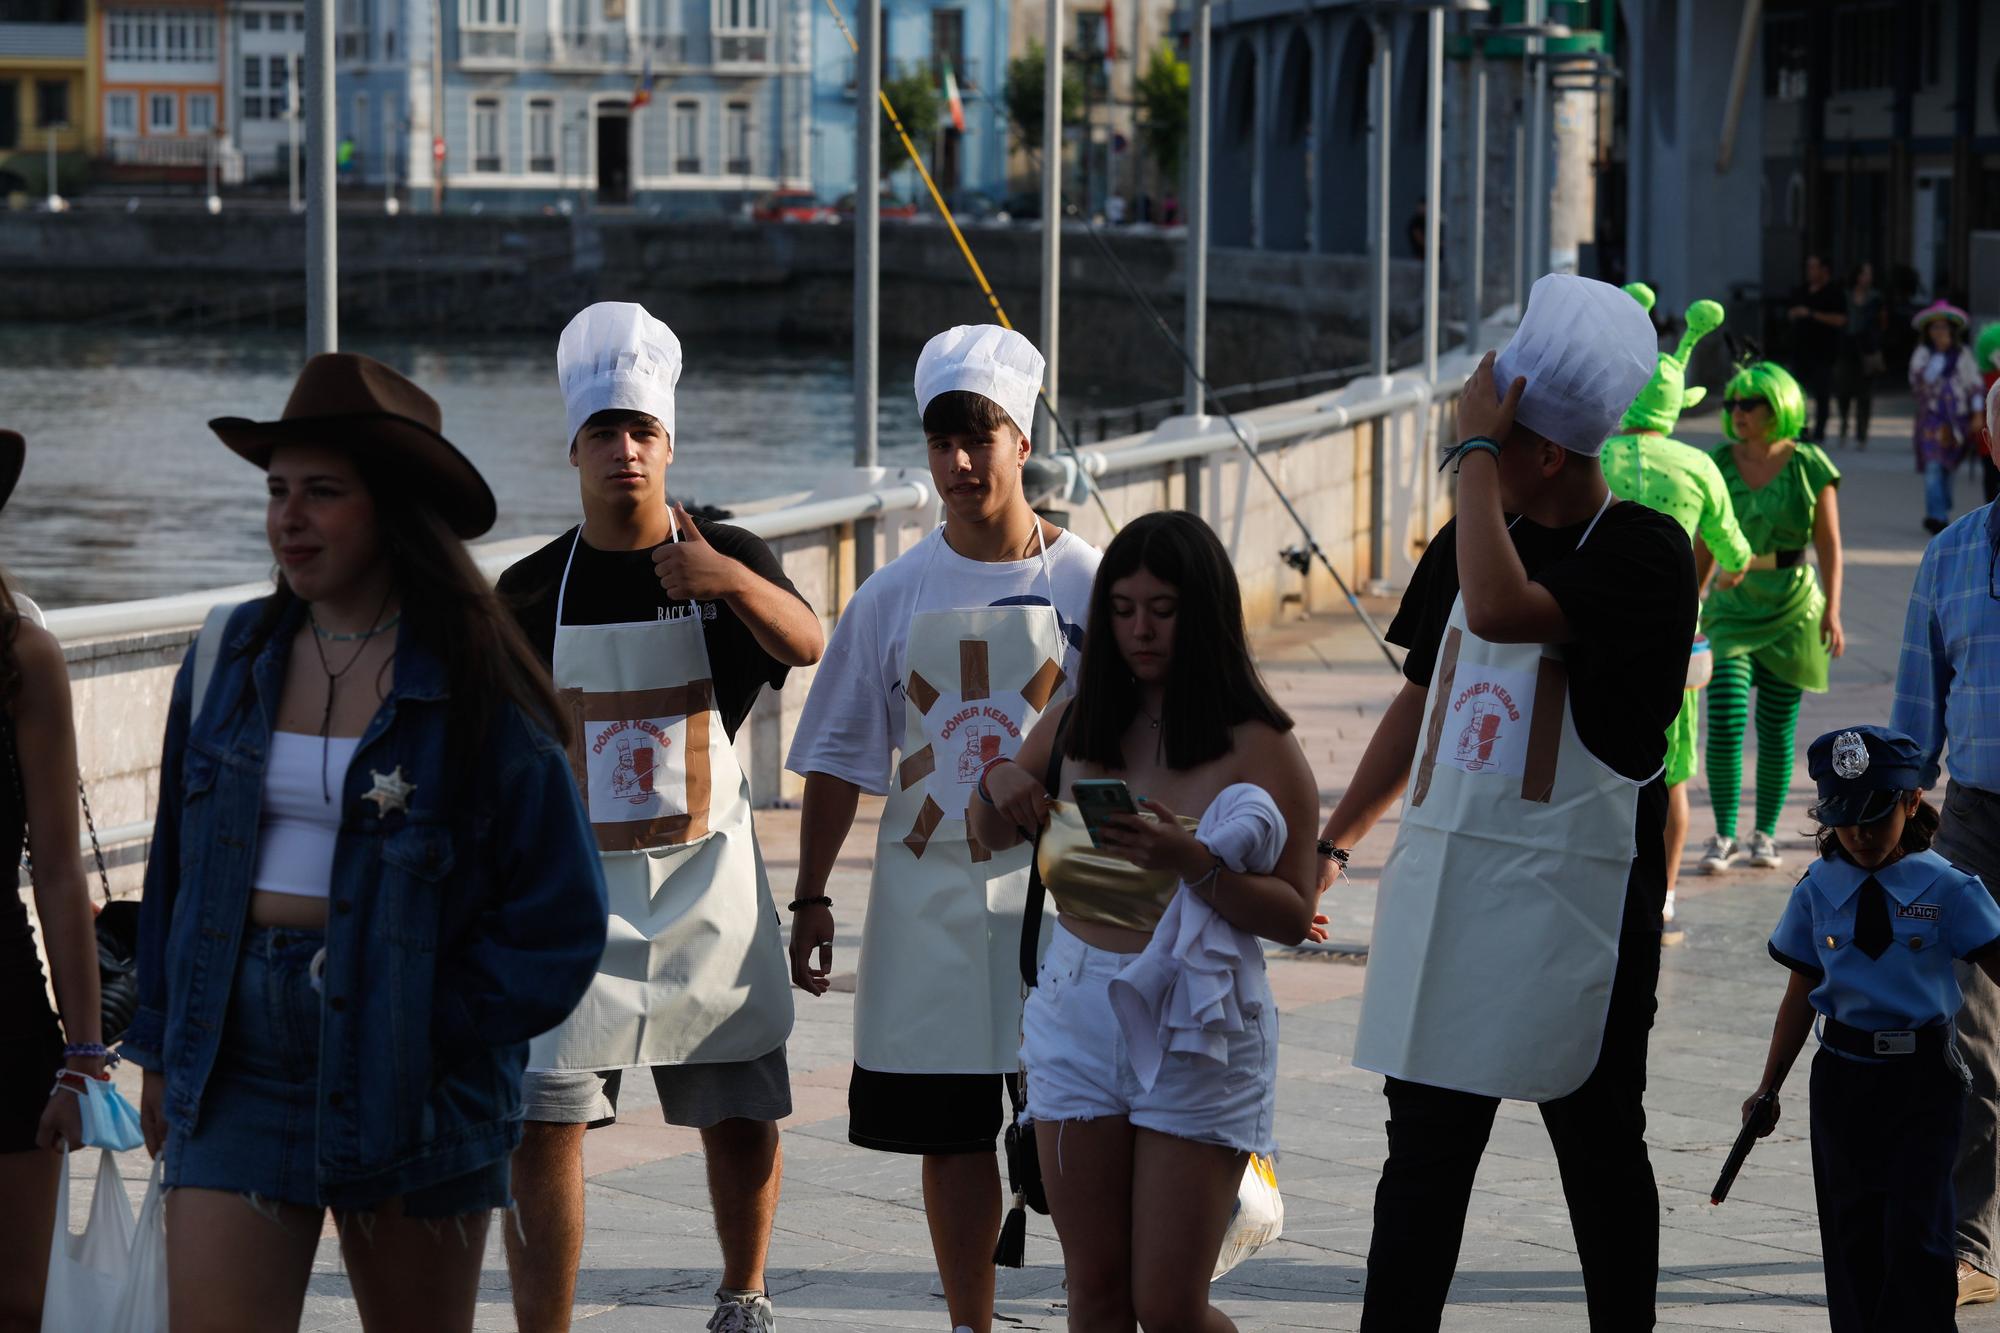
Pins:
x: 1987, y: 349
x: 1660, y: 404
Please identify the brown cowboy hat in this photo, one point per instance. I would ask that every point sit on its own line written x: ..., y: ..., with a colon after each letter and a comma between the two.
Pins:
x: 352, y: 402
x: 13, y: 452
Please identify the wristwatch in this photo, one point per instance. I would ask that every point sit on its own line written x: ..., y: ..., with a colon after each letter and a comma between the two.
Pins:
x: 1329, y: 852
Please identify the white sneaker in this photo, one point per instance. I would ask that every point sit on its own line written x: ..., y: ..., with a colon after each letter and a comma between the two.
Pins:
x: 1721, y: 854
x: 743, y: 1312
x: 1764, y: 852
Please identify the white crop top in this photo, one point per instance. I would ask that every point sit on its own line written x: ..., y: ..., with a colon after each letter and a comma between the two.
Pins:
x: 296, y: 831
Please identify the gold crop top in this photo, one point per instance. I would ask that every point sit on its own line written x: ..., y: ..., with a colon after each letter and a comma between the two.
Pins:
x: 1098, y: 886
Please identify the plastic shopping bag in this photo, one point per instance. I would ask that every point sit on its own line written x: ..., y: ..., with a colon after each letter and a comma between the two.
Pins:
x: 112, y: 1277
x: 1259, y: 1218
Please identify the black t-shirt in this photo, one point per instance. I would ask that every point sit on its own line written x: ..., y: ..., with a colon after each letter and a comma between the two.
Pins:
x: 613, y: 587
x: 1629, y: 596
x: 1819, y: 342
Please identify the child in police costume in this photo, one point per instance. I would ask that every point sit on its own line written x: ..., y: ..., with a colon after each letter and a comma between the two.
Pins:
x: 1870, y: 933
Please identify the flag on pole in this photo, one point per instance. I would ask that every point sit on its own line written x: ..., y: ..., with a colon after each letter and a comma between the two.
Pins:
x: 951, y: 98
x: 643, y: 93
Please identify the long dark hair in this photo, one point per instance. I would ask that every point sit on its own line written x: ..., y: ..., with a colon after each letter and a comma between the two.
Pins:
x: 1212, y: 684
x: 451, y: 611
x: 10, y: 660
x: 1919, y: 831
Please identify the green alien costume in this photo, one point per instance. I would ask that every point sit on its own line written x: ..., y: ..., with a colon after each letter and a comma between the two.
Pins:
x: 1677, y: 479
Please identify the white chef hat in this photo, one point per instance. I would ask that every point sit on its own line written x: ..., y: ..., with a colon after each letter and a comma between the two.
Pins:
x: 987, y: 360
x: 615, y: 355
x: 1586, y: 350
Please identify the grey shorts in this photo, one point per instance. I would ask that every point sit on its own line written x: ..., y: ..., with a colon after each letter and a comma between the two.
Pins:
x: 696, y: 1096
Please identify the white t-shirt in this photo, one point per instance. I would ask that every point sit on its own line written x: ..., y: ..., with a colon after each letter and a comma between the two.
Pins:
x: 852, y: 726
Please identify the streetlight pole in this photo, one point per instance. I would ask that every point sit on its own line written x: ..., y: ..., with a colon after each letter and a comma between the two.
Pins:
x: 322, y: 221
x: 1384, y: 104
x: 1536, y: 210
x: 296, y: 91
x: 1433, y: 188
x: 1475, y: 305
x: 867, y: 240
x: 1195, y: 324
x: 55, y: 199
x: 1052, y: 141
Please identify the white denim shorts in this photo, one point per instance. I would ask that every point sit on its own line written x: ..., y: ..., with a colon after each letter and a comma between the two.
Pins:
x: 1079, y: 1068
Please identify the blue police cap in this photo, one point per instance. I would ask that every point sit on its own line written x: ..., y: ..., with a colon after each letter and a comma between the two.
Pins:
x: 1860, y: 770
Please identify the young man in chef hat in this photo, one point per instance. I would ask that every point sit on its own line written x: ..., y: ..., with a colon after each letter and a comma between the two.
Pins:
x: 660, y: 630
x: 939, y: 666
x: 1517, y: 930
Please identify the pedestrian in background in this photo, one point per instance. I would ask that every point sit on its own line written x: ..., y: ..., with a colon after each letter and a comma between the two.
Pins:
x: 371, y: 882
x: 43, y: 1058
x: 1872, y: 933
x: 1948, y: 700
x: 1818, y: 314
x: 1777, y: 630
x: 1860, y: 363
x: 1948, y: 392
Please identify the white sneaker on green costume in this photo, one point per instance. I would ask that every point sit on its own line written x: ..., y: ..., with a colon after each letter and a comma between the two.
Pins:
x: 743, y: 1312
x: 1764, y: 852
x: 1720, y: 855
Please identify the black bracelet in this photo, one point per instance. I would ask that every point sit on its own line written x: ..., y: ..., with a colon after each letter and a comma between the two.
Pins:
x: 1329, y: 852
x: 796, y: 904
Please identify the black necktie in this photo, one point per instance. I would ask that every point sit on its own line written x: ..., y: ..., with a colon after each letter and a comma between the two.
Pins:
x: 1872, y: 933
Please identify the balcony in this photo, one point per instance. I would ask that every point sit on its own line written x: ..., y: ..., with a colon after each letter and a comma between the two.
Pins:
x: 47, y: 41
x: 615, y: 49
x: 178, y: 152
x: 489, y: 47
x: 743, y: 52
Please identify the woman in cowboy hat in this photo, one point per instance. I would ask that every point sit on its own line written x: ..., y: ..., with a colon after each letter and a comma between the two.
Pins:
x: 371, y: 883
x: 42, y: 1058
x: 1944, y: 380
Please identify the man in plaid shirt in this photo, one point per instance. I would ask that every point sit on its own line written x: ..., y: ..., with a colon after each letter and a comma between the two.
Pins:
x: 1948, y: 698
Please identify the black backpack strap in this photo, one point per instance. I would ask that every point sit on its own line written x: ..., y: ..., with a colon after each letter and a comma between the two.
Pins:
x: 1031, y: 920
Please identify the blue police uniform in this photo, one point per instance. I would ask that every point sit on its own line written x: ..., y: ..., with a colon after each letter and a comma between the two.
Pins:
x: 1888, y: 1087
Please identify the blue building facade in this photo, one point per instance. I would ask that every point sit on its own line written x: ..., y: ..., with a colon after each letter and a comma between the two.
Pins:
x: 918, y: 35
x: 530, y: 103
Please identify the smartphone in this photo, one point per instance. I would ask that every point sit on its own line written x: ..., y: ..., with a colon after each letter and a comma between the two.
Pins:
x: 1097, y: 799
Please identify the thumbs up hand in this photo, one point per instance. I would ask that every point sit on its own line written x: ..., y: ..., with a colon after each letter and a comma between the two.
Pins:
x: 692, y: 570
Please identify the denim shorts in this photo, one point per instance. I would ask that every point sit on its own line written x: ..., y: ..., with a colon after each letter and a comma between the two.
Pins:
x: 1079, y: 1068
x: 258, y: 1130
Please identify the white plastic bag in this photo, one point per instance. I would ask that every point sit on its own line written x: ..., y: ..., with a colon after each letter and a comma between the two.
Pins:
x: 1259, y: 1218
x: 112, y: 1277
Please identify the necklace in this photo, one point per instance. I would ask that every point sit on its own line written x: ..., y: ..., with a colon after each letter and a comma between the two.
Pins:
x: 330, y: 637
x: 1154, y: 722
x: 333, y: 681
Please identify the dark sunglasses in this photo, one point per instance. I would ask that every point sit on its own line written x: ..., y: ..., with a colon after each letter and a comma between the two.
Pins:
x: 1743, y: 404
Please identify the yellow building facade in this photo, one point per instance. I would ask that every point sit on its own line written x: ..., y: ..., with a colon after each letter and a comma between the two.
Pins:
x: 49, y: 63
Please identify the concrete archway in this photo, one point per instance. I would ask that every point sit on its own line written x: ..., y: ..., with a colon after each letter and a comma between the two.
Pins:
x: 1288, y: 150
x: 1233, y: 172
x: 1342, y: 216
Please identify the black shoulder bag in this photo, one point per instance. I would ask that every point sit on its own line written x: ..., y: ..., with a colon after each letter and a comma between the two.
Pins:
x: 1024, y: 1162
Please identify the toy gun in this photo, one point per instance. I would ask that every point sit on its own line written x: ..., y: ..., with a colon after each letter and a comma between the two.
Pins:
x: 1763, y: 1115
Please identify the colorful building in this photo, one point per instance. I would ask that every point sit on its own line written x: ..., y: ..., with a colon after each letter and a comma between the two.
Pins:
x: 47, y: 90
x: 267, y: 42
x: 161, y: 86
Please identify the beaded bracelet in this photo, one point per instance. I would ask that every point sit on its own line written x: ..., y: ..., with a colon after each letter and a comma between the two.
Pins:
x: 90, y: 1050
x: 797, y: 903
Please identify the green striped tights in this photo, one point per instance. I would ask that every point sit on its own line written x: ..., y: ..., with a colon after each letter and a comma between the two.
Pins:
x: 1777, y: 723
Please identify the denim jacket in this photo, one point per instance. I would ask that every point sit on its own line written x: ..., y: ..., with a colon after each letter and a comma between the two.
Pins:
x: 457, y: 929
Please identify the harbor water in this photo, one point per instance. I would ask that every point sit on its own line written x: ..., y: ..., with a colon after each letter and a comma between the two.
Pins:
x: 128, y: 494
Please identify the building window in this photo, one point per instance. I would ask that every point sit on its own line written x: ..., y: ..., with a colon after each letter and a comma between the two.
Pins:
x: 121, y: 113
x: 162, y: 113
x: 736, y: 138
x: 489, y: 28
x: 173, y: 36
x: 1864, y: 46
x: 741, y: 31
x: 686, y: 137
x: 486, y: 134
x: 253, y: 72
x: 51, y: 103
x: 253, y: 21
x: 541, y: 134
x: 201, y: 113
x: 948, y: 46
x: 253, y: 108
x: 356, y: 22
x: 739, y: 16
x: 357, y: 128
x: 299, y: 21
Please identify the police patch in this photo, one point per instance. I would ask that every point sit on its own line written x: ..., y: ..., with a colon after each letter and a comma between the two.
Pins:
x: 1918, y: 912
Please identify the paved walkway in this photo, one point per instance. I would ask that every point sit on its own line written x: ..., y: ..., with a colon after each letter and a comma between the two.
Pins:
x: 852, y: 1251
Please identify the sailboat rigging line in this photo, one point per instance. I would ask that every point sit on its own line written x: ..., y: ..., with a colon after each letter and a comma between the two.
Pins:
x: 978, y: 273
x: 1145, y: 303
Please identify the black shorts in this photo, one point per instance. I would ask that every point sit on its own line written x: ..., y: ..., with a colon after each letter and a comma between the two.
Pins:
x: 932, y: 1114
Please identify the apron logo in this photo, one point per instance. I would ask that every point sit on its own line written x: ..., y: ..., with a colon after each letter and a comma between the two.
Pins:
x: 986, y: 730
x: 1492, y: 706
x: 641, y: 749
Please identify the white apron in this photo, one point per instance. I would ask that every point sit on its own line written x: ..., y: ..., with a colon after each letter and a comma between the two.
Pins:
x: 938, y: 986
x: 1496, y: 922
x: 694, y: 971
